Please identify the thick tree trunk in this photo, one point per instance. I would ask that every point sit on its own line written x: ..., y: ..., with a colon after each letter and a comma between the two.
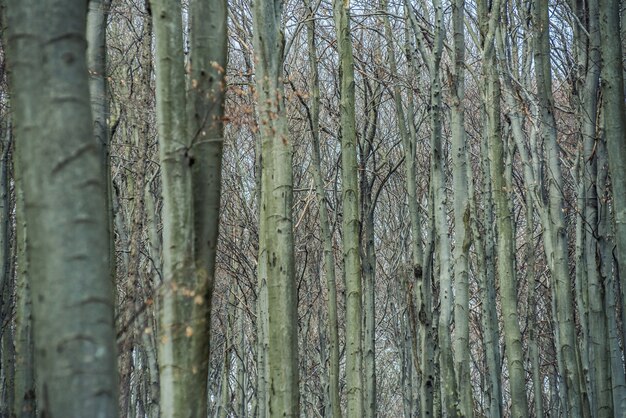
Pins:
x: 190, y: 147
x: 615, y: 130
x: 276, y: 201
x: 25, y: 402
x: 65, y: 209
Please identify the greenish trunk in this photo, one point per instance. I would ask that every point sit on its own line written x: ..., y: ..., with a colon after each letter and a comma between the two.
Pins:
x: 449, y: 384
x: 606, y: 245
x: 421, y: 315
x: 432, y: 57
x: 262, y: 332
x: 368, y: 254
x: 276, y: 201
x: 96, y: 65
x: 190, y: 141
x: 179, y: 317
x: 484, y: 244
x: 329, y: 259
x: 414, y: 279
x: 462, y: 232
x: 148, y: 338
x: 65, y: 209
x: 206, y: 100
x: 9, y: 331
x: 614, y: 122
x: 350, y: 221
x: 556, y: 247
x: 25, y: 402
x: 369, y: 316
x: 532, y: 282
x: 501, y: 189
x: 505, y: 250
x: 262, y: 337
x: 598, y: 327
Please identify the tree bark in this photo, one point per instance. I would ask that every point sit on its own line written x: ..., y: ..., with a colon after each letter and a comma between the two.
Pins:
x: 329, y: 258
x: 350, y: 221
x: 614, y: 122
x: 65, y: 209
x: 276, y: 201
x: 461, y: 340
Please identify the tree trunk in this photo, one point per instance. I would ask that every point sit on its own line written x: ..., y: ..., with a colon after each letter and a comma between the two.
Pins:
x: 556, y: 248
x: 501, y: 189
x: 25, y: 402
x: 65, y: 209
x: 329, y: 259
x: 276, y: 200
x: 190, y: 154
x: 350, y: 221
x: 462, y: 234
x: 615, y: 130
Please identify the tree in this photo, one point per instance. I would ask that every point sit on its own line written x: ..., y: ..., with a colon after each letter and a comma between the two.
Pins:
x: 190, y: 135
x: 65, y: 209
x: 329, y: 259
x: 350, y: 220
x: 276, y: 223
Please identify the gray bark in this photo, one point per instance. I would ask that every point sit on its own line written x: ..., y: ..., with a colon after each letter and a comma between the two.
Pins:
x: 329, y: 259
x: 276, y: 201
x: 350, y: 221
x: 462, y: 233
x: 65, y: 209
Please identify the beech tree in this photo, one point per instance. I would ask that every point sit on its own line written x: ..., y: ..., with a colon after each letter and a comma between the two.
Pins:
x: 64, y: 206
x: 190, y: 156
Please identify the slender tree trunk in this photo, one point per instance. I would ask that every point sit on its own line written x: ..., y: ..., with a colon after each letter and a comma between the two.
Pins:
x: 368, y: 255
x: 422, y: 262
x: 415, y: 279
x: 505, y: 252
x: 98, y: 90
x: 461, y: 216
x: 598, y: 331
x: 350, y: 221
x: 557, y: 252
x: 484, y: 243
x: 449, y: 386
x: 329, y: 259
x: 607, y: 273
x: 500, y: 189
x: 8, y: 283
x: 532, y: 280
